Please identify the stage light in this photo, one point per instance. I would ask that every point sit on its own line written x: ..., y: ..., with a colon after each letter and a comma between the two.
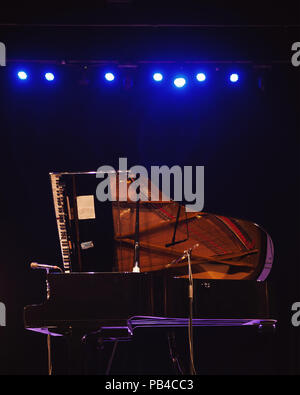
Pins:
x: 234, y: 77
x: 49, y: 76
x: 179, y: 82
x: 201, y: 77
x: 109, y: 77
x: 157, y: 77
x: 22, y: 75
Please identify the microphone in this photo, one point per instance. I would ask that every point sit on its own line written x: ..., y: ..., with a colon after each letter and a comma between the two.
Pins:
x: 184, y: 256
x: 35, y: 265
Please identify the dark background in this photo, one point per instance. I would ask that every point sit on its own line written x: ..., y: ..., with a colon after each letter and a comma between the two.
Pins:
x: 246, y: 136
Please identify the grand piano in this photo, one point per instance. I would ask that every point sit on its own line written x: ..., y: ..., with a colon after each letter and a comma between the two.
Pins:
x: 147, y: 264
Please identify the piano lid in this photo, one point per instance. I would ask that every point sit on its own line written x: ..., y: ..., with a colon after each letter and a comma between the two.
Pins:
x: 222, y: 247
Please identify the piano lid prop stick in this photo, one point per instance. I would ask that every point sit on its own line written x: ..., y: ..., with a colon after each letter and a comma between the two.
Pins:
x: 136, y: 264
x: 173, y: 242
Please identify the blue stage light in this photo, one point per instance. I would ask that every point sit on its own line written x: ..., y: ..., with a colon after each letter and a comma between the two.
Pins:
x: 109, y: 77
x: 179, y: 82
x: 22, y: 75
x: 157, y: 77
x: 234, y: 77
x: 201, y: 77
x: 49, y: 76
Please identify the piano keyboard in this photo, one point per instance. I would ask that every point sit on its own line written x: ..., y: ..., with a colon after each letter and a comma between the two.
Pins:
x: 60, y: 213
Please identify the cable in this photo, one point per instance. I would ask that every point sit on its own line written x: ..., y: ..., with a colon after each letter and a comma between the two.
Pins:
x: 173, y: 352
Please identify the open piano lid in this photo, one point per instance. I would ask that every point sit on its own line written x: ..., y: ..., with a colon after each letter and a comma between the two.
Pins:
x: 222, y: 247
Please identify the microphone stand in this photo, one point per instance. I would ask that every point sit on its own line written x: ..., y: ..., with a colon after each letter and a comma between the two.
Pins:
x: 35, y: 265
x: 191, y: 299
x: 187, y: 255
x: 48, y: 335
x: 47, y: 284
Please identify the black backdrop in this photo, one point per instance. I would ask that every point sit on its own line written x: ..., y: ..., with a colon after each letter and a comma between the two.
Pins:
x: 247, y: 139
